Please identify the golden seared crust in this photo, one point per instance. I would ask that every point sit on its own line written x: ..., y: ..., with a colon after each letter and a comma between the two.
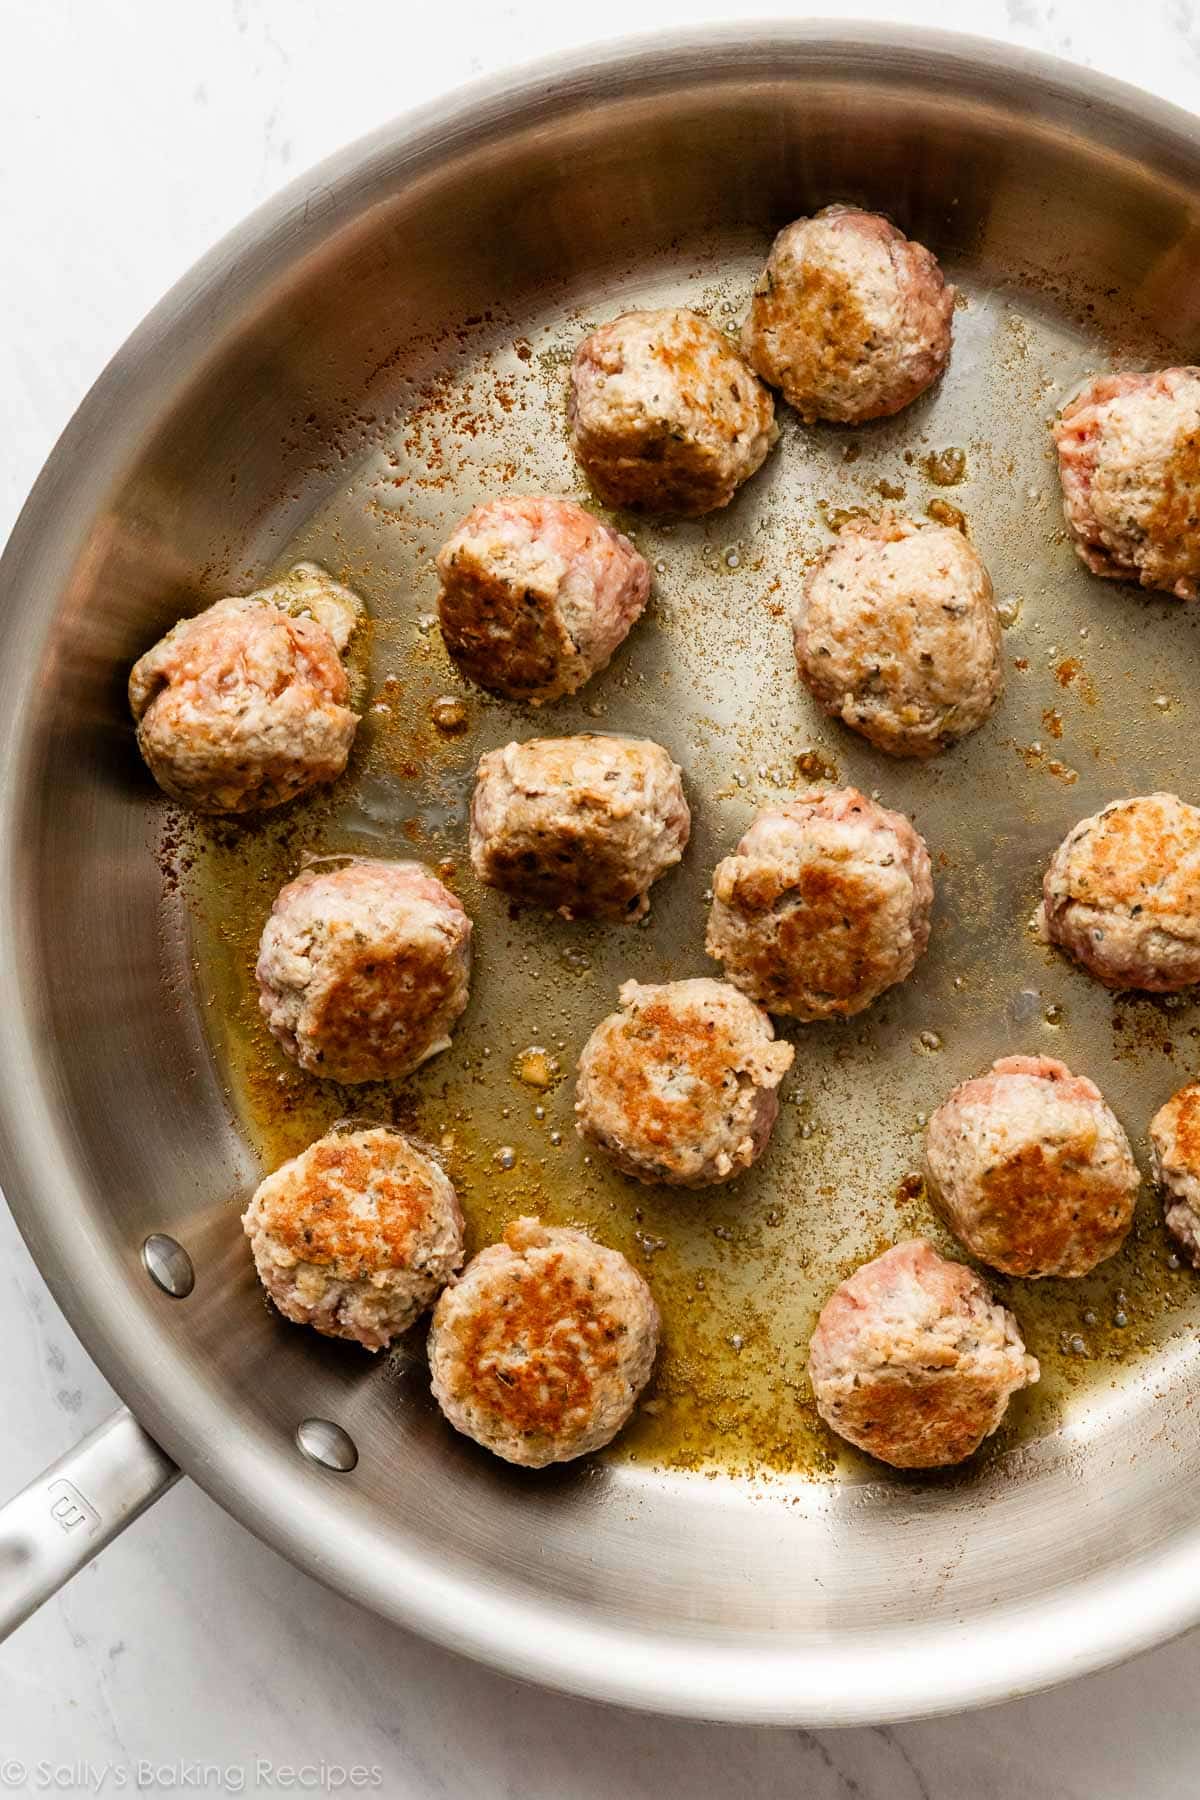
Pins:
x: 685, y: 1039
x: 1046, y: 1210
x: 664, y: 414
x: 583, y: 824
x: 556, y: 1369
x: 1122, y: 894
x: 356, y: 1236
x: 927, y: 1421
x: 1175, y: 515
x: 1031, y: 1170
x: 409, y: 983
x: 1139, y: 853
x: 1180, y: 1118
x: 833, y: 927
x: 313, y: 1206
x: 1187, y: 1124
x: 482, y: 612
x: 540, y: 1350
x: 850, y: 319
x: 679, y: 1086
x: 825, y: 904
x: 829, y: 331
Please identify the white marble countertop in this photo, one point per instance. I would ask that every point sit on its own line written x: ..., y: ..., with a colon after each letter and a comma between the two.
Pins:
x: 133, y: 135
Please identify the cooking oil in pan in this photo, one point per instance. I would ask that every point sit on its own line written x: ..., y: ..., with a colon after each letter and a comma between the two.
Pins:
x: 1094, y: 708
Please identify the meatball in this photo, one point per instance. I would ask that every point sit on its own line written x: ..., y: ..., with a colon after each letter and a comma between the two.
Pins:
x: 1030, y: 1169
x: 583, y: 824
x: 679, y: 1086
x: 364, y: 969
x: 540, y: 1350
x: 850, y: 319
x: 664, y: 415
x: 356, y: 1236
x: 1122, y: 894
x: 825, y: 905
x: 536, y: 596
x: 1129, y: 460
x: 897, y: 635
x: 913, y: 1360
x: 1175, y: 1158
x: 245, y: 706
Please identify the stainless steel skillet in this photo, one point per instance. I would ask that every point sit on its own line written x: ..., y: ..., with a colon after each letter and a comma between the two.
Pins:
x: 254, y: 414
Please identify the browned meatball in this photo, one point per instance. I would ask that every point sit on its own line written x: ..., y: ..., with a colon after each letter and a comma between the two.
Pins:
x: 664, y: 414
x: 583, y: 824
x: 1129, y: 458
x: 914, y: 1361
x: 536, y: 596
x: 824, y: 906
x: 1122, y: 894
x: 679, y: 1086
x: 245, y: 706
x: 363, y: 970
x: 356, y: 1236
x: 1031, y: 1170
x: 850, y: 319
x: 1175, y: 1154
x: 897, y: 635
x: 540, y: 1350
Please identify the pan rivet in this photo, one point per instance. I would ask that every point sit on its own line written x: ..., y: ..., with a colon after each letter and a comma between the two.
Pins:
x: 326, y: 1443
x: 168, y: 1265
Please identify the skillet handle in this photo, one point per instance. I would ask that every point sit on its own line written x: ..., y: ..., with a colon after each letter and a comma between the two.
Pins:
x: 73, y: 1509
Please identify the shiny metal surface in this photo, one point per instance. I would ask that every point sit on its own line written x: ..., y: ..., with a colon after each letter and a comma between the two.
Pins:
x: 168, y: 1265
x: 326, y: 1443
x: 56, y: 1525
x: 297, y: 393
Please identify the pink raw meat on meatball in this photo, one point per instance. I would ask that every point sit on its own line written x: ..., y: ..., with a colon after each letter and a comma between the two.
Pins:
x: 245, y: 706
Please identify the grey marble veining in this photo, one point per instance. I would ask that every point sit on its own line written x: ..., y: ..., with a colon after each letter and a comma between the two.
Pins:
x: 133, y: 134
